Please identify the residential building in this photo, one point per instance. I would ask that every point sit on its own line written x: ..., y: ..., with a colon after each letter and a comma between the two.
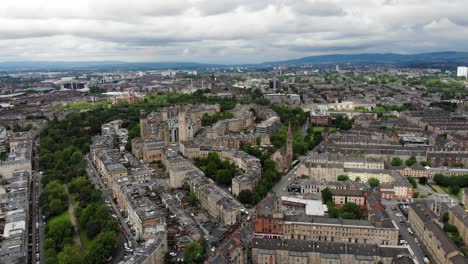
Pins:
x: 290, y: 251
x: 462, y: 71
x: 439, y: 245
x: 459, y: 218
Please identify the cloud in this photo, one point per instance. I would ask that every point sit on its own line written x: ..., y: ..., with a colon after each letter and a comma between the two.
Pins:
x: 225, y: 31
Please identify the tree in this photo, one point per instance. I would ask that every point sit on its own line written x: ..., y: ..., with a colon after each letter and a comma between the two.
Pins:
x: 445, y: 217
x: 358, y: 179
x: 373, y: 182
x: 101, y: 248
x: 454, y: 190
x: 396, y: 161
x: 343, y: 177
x: 351, y: 211
x: 425, y: 163
x: 246, y: 197
x: 193, y: 253
x: 193, y: 200
x: 71, y: 254
x: 412, y: 181
x: 412, y: 160
x: 327, y: 195
x: 449, y: 228
x: 415, y: 194
x: 60, y: 232
x: 422, y: 180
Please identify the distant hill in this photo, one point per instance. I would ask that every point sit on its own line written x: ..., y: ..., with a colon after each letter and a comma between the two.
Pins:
x: 444, y: 58
x: 94, y: 65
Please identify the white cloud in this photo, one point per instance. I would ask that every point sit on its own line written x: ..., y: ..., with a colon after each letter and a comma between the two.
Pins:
x: 227, y: 31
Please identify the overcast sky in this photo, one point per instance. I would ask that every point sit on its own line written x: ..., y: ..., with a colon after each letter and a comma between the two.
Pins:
x: 226, y: 31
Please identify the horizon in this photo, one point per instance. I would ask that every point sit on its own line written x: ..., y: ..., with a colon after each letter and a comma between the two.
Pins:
x: 226, y: 64
x: 225, y: 32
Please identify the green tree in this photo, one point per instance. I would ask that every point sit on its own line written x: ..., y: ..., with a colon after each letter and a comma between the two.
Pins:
x: 415, y: 194
x: 193, y: 200
x: 454, y: 190
x: 412, y: 160
x: 327, y: 196
x: 246, y: 197
x: 449, y: 228
x: 343, y: 177
x: 412, y: 181
x: 358, y: 179
x: 194, y: 253
x: 445, y: 217
x: 60, y: 233
x: 101, y: 248
x: 373, y: 182
x: 351, y: 211
x: 71, y: 254
x: 396, y: 161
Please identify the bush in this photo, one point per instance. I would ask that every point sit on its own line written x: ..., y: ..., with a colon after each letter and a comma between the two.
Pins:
x: 373, y: 182
x: 343, y: 177
x: 412, y: 181
x: 449, y: 228
x: 396, y: 162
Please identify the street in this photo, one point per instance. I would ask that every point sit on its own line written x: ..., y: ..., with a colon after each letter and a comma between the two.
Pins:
x: 95, y: 178
x: 415, y: 249
x: 281, y: 187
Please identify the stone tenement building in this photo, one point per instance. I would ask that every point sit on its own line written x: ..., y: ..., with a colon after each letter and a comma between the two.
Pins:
x: 327, y: 167
x: 19, y: 158
x: 174, y: 124
x: 440, y: 246
x: 14, y: 217
x: 148, y: 150
x: 271, y: 221
x: 243, y: 119
x: 459, y: 218
x: 219, y: 204
x: 213, y: 199
x: 250, y: 165
x: 288, y: 251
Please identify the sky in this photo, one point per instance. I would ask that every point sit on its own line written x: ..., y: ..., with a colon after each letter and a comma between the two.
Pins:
x: 226, y: 31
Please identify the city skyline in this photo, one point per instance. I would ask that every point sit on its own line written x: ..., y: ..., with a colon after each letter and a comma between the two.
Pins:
x: 226, y: 32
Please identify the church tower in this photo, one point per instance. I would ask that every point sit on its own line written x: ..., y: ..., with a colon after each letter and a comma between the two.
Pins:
x: 289, y: 146
x: 143, y: 123
x: 182, y: 127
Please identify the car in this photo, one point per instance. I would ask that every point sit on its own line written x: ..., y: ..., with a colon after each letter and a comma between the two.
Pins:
x: 289, y: 179
x: 426, y: 260
x: 173, y: 254
x: 394, y: 208
x: 403, y: 242
x: 416, y: 240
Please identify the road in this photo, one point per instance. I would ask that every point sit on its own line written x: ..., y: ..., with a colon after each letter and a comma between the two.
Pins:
x: 281, y: 187
x: 37, y: 221
x: 403, y: 230
x: 95, y: 178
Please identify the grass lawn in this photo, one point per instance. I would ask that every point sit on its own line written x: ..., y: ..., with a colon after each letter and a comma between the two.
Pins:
x: 320, y: 129
x: 87, y: 243
x: 438, y: 189
x: 447, y: 190
x: 63, y: 216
